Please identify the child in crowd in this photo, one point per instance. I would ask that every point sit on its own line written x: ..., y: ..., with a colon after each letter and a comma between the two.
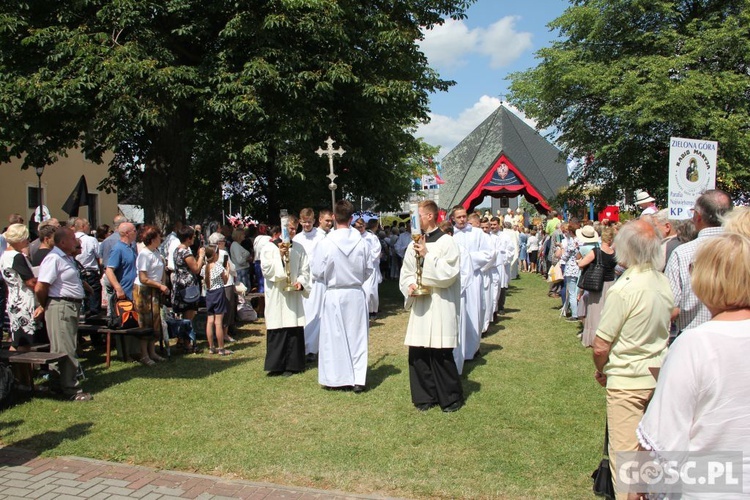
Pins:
x: 215, y: 276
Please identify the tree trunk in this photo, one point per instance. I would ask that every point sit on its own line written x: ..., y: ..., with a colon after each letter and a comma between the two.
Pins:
x: 166, y: 170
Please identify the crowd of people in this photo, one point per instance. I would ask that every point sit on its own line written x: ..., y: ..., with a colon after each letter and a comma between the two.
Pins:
x: 669, y: 328
x: 672, y: 294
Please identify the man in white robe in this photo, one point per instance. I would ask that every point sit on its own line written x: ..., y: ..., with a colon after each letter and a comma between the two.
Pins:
x: 488, y: 304
x: 432, y: 332
x: 285, y: 313
x: 480, y: 253
x: 374, y: 250
x: 465, y: 278
x: 499, y: 274
x: 506, y: 236
x: 341, y: 264
x: 308, y: 239
x: 516, y: 249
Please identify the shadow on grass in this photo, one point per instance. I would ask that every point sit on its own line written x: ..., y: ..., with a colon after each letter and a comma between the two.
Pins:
x: 493, y: 330
x: 189, y: 367
x: 48, y: 440
x: 377, y: 373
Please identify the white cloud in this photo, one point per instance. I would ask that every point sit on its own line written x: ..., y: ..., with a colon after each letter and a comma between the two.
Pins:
x: 447, y: 132
x: 448, y: 45
x: 503, y: 43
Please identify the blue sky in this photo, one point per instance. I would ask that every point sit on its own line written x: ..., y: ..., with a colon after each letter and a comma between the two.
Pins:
x: 497, y: 38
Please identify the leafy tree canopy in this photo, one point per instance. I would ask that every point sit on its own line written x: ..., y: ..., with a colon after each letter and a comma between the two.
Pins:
x: 625, y: 75
x: 190, y: 94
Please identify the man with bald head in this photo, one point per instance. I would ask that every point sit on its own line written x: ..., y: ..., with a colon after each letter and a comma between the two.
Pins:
x: 121, y: 269
x: 689, y: 312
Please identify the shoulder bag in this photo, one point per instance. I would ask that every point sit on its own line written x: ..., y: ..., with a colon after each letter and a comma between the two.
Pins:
x: 190, y: 294
x: 592, y: 279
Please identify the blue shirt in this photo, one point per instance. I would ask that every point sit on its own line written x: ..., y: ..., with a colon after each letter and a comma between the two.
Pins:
x: 122, y: 260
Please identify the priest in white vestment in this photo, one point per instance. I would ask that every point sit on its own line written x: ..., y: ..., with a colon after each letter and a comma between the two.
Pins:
x: 341, y: 264
x: 432, y: 332
x: 309, y: 239
x: 284, y: 313
x: 480, y: 253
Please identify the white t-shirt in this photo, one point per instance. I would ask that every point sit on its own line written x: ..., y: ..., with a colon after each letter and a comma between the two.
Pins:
x: 152, y: 263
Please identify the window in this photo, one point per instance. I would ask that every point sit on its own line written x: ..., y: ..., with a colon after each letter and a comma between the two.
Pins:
x: 33, y: 196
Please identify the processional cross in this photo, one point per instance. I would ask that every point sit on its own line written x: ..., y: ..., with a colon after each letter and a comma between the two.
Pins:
x: 330, y: 152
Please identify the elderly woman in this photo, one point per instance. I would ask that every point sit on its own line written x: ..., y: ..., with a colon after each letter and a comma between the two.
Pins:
x: 631, y: 338
x: 148, y: 291
x: 241, y: 258
x: 702, y: 400
x: 593, y: 302
x: 26, y: 320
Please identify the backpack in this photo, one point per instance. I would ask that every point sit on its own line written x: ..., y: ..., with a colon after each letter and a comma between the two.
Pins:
x: 7, y: 385
x: 125, y: 315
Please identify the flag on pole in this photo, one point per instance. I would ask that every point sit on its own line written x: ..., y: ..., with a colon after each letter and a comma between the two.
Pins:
x: 79, y: 196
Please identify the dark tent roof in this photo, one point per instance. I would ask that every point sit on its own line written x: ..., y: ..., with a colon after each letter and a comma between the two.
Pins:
x: 503, y: 156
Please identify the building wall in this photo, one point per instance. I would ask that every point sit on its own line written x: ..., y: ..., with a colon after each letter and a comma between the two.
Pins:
x: 58, y: 181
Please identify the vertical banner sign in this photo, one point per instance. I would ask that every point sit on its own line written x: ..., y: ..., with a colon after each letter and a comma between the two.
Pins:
x: 692, y: 170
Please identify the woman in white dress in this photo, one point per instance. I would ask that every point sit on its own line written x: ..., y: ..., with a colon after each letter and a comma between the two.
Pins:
x: 26, y: 317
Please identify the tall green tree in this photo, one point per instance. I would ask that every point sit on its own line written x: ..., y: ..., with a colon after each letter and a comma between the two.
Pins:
x: 190, y: 93
x: 625, y: 75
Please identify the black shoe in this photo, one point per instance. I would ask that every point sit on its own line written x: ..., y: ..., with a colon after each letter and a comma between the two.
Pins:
x: 425, y: 406
x: 311, y: 358
x: 287, y: 373
x: 454, y: 407
x: 273, y: 374
x: 359, y: 389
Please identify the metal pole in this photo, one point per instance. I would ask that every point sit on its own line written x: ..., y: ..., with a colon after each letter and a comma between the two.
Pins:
x: 39, y: 195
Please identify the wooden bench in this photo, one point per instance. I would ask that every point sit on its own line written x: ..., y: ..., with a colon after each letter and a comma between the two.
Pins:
x: 132, y: 332
x: 27, y: 360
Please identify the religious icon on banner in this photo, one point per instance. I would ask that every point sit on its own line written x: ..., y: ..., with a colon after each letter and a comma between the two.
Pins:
x: 502, y: 170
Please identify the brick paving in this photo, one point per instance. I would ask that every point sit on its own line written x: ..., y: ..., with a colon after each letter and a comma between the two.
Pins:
x: 23, y: 474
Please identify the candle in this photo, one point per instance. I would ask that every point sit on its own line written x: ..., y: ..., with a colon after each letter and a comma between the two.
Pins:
x: 285, y: 229
x: 415, y: 227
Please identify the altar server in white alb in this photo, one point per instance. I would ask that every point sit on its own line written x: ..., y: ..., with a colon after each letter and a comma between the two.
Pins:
x: 285, y: 314
x: 309, y: 239
x: 432, y: 332
x: 341, y: 264
x: 481, y: 253
x: 374, y: 250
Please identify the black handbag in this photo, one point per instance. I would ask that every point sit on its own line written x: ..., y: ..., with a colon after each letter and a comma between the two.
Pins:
x: 592, y: 279
x: 602, y: 476
x: 190, y: 294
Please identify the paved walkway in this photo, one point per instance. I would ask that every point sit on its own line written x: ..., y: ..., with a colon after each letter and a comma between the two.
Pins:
x: 23, y: 474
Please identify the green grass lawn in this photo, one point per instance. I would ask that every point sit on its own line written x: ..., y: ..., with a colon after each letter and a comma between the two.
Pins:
x: 532, y: 426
